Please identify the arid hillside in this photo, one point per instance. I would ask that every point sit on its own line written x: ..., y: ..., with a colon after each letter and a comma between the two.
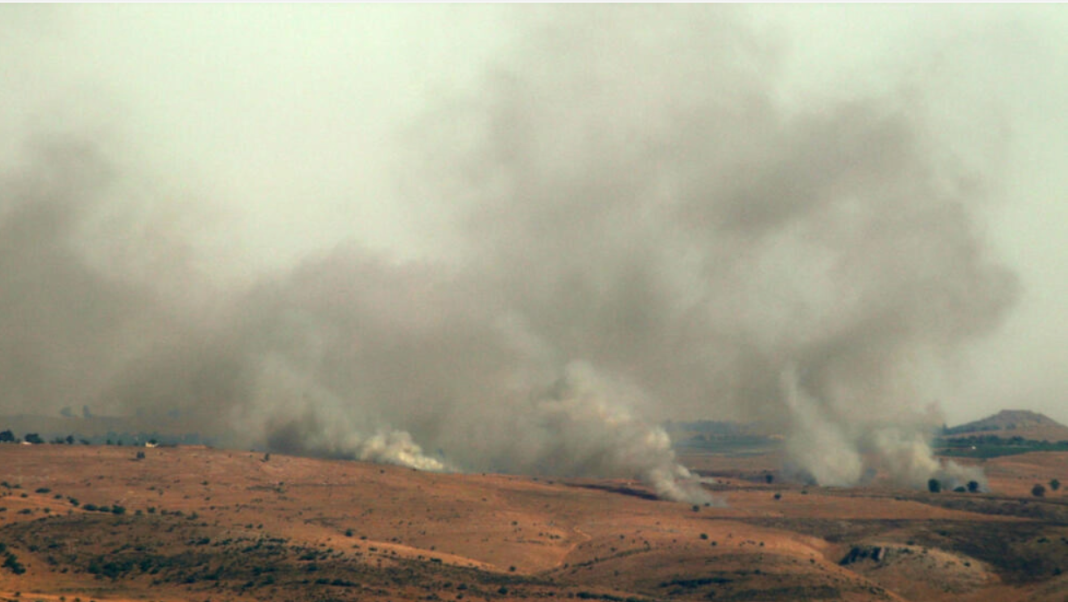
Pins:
x: 101, y: 523
x: 1014, y: 423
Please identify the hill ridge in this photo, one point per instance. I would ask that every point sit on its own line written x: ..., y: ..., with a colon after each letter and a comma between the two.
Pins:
x: 1008, y: 420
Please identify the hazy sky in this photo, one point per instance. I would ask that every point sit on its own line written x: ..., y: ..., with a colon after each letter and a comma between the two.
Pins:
x: 262, y: 133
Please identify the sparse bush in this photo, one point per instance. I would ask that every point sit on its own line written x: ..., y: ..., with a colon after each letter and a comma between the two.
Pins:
x: 140, y: 455
x: 43, y: 490
x: 769, y: 478
x: 696, y: 508
x: 12, y: 562
x: 778, y: 496
x: 1038, y: 490
x: 1054, y: 484
x: 960, y: 489
x: 704, y: 536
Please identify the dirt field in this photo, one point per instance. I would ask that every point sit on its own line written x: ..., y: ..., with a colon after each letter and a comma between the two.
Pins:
x: 83, y: 524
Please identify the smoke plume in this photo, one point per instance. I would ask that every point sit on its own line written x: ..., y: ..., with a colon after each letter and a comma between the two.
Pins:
x: 634, y: 227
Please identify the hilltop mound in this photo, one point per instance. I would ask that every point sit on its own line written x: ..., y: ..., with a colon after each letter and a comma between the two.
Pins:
x: 1015, y: 423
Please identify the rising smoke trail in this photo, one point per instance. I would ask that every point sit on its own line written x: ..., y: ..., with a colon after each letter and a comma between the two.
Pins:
x: 636, y: 228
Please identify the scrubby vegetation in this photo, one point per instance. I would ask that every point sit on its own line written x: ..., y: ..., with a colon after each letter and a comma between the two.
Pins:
x: 993, y: 446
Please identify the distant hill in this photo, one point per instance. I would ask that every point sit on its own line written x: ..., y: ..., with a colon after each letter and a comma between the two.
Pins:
x: 1014, y: 423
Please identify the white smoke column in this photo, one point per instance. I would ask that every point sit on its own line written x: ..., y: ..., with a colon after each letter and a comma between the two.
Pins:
x: 290, y: 411
x: 842, y: 454
x: 397, y: 447
x: 907, y: 456
x: 587, y: 429
x: 817, y: 447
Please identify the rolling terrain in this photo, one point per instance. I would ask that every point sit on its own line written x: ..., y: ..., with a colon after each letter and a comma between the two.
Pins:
x: 100, y: 523
x: 1014, y: 423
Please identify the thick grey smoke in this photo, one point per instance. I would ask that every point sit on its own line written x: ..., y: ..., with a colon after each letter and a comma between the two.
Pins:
x: 636, y: 229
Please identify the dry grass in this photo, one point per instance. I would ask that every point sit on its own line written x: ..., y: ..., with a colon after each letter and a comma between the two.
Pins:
x: 204, y: 524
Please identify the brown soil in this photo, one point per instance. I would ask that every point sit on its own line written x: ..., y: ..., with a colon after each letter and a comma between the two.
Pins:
x: 198, y: 524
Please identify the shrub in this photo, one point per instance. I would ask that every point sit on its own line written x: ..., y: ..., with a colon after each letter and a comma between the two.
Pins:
x: 973, y: 486
x: 1038, y: 490
x: 12, y: 562
x: 1054, y: 484
x: 934, y: 486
